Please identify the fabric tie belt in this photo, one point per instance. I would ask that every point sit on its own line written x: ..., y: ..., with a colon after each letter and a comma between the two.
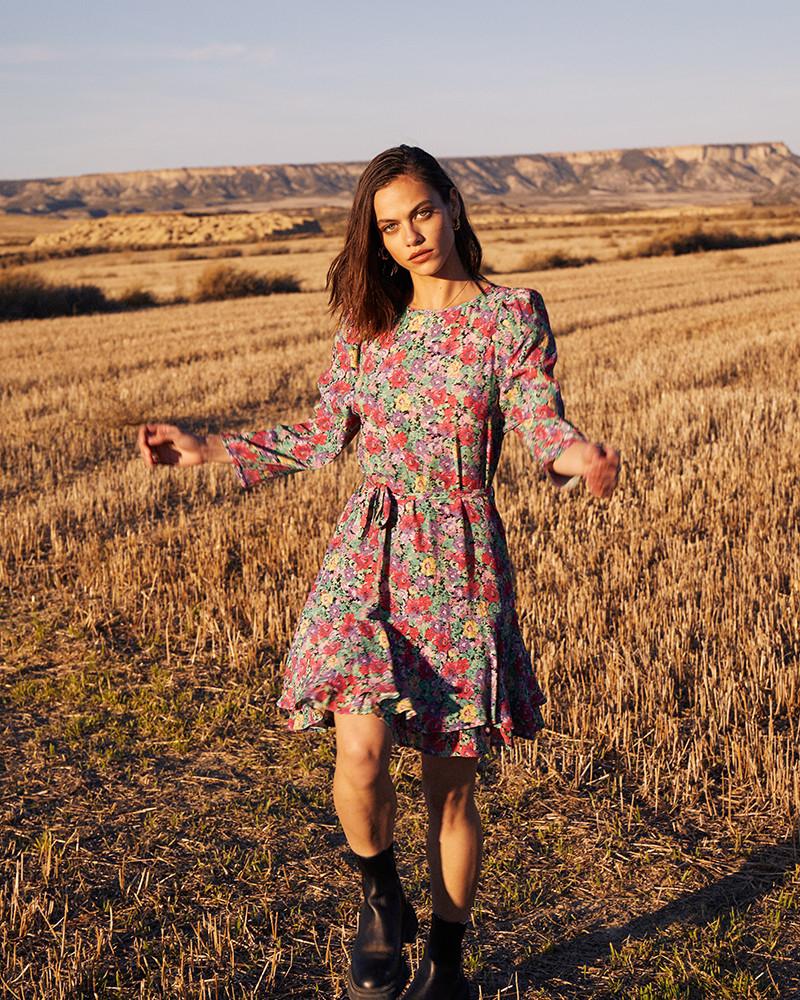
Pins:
x: 379, y: 508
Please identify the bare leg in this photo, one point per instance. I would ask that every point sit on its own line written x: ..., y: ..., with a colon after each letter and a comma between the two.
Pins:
x: 455, y: 837
x: 363, y: 792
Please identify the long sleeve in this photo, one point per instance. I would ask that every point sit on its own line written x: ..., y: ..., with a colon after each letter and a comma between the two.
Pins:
x: 310, y: 444
x: 530, y: 396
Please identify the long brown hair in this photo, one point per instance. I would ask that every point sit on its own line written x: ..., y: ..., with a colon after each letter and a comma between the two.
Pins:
x: 364, y: 295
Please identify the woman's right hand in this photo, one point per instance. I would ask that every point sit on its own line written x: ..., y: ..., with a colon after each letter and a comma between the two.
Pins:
x: 167, y: 444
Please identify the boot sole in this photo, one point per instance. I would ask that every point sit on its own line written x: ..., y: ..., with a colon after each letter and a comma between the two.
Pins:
x: 391, y: 990
x: 388, y: 992
x: 462, y: 990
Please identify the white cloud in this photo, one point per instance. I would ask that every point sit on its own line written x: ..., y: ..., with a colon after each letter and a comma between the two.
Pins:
x: 21, y: 54
x: 216, y: 51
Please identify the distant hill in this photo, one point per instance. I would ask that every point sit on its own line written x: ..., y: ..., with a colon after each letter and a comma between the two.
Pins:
x: 763, y: 171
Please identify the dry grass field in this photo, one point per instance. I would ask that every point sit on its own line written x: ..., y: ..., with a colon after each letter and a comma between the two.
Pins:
x: 162, y: 836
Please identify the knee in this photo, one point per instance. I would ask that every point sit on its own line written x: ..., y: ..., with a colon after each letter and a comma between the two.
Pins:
x: 362, y: 762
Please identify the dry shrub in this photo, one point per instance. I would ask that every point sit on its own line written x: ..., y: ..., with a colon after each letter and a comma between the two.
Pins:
x: 697, y: 240
x: 137, y: 297
x: 223, y: 281
x: 546, y: 262
x: 24, y: 295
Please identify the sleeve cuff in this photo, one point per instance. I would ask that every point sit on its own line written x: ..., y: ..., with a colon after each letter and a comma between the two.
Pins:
x: 228, y: 443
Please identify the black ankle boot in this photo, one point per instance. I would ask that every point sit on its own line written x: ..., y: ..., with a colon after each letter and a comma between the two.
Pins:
x: 386, y: 921
x: 439, y: 976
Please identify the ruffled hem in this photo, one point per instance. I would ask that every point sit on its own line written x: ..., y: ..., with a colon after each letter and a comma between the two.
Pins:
x: 468, y: 741
x: 314, y: 711
x: 477, y: 741
x: 328, y: 696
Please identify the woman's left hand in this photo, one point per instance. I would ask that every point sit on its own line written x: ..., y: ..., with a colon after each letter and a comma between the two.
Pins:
x: 601, y: 471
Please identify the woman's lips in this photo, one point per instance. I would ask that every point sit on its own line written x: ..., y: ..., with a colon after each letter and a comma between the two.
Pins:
x: 421, y: 256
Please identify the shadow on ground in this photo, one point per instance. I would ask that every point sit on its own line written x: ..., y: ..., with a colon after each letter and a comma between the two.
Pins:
x: 763, y: 870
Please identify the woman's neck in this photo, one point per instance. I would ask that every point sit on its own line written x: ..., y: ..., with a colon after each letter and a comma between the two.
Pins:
x: 454, y: 293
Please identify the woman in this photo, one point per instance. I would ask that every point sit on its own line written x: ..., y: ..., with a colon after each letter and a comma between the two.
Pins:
x: 410, y: 633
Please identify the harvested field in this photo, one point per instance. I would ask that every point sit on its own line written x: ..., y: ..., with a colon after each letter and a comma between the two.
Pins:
x: 163, y: 836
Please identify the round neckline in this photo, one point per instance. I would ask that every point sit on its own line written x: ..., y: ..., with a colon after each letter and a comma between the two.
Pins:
x: 468, y: 302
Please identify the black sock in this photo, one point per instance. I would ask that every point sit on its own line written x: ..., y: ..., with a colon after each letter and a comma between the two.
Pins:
x: 380, y: 867
x: 444, y: 943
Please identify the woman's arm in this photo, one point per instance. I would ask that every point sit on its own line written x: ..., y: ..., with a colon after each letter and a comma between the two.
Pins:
x: 531, y: 403
x: 284, y: 449
x: 529, y: 393
x: 278, y: 450
x: 213, y: 450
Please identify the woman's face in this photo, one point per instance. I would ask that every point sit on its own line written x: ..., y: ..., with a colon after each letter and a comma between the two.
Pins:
x: 411, y: 217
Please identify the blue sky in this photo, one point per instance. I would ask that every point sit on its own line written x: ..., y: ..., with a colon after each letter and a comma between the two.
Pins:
x: 89, y: 86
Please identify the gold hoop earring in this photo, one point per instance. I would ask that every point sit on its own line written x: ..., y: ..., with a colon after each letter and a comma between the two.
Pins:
x: 456, y: 225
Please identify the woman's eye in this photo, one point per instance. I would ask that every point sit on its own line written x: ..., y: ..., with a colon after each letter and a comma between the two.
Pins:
x: 391, y: 225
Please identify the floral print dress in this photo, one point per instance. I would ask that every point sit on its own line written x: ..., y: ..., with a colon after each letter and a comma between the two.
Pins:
x: 412, y: 615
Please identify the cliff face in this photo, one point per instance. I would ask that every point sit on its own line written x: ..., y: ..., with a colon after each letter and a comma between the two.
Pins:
x: 763, y: 169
